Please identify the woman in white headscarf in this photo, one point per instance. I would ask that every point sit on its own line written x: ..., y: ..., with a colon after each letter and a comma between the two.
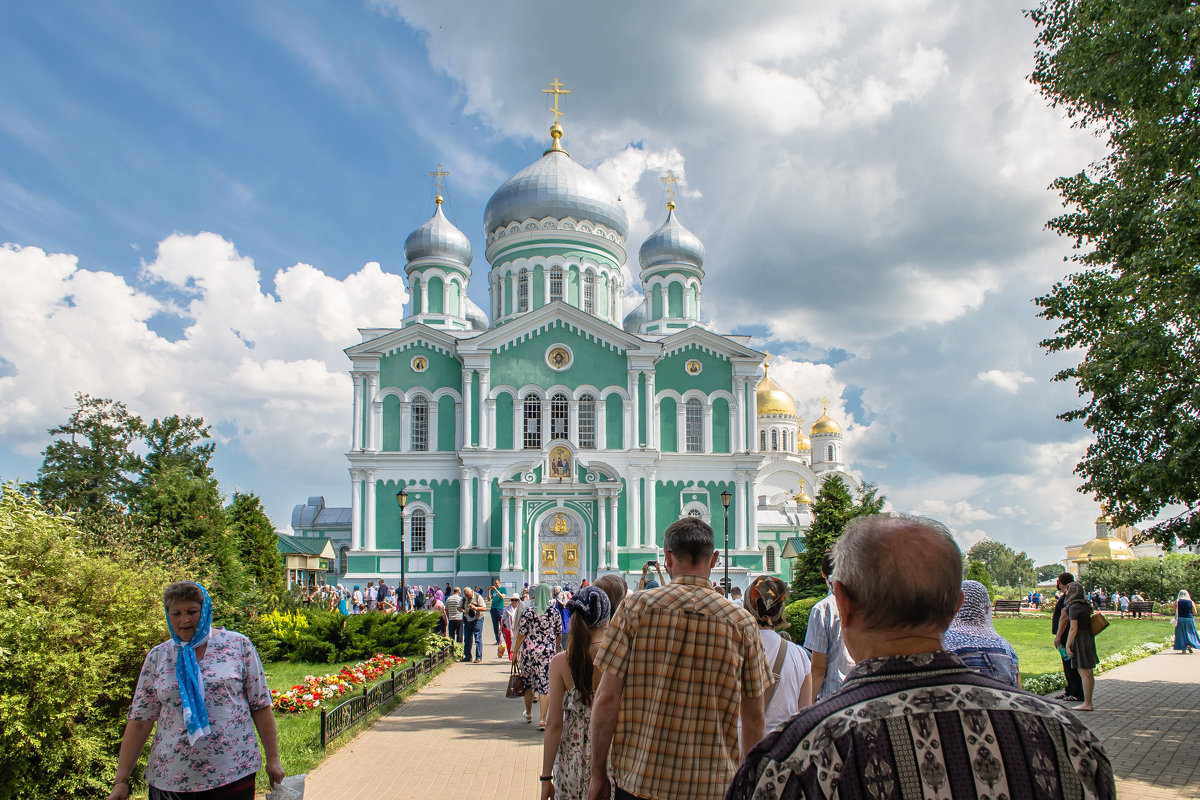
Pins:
x: 973, y: 638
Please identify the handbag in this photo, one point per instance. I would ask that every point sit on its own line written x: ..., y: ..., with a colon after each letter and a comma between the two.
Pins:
x: 516, y: 684
x: 1099, y: 622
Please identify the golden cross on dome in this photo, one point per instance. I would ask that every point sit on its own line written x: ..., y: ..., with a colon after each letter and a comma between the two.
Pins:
x: 669, y: 180
x: 556, y: 88
x: 437, y: 175
x: 824, y: 405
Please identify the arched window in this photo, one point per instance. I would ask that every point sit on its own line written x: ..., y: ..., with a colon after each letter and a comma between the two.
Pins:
x: 556, y: 283
x: 831, y: 454
x: 770, y: 559
x: 587, y: 421
x: 762, y: 440
x: 523, y: 291
x: 420, y: 424
x: 694, y: 426
x: 533, y: 421
x: 416, y: 526
x: 343, y: 558
x: 774, y: 439
x: 560, y: 416
x: 589, y: 292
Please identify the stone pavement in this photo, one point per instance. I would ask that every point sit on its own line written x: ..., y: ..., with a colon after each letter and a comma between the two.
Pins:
x: 459, y: 737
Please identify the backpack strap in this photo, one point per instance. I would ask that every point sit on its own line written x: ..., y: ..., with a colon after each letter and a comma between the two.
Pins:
x: 777, y: 671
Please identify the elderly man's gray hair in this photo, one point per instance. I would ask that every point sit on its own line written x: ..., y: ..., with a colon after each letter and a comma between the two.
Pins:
x: 901, y: 572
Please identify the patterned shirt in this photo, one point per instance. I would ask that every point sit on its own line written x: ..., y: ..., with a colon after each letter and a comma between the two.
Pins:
x: 927, y: 726
x: 234, y: 685
x: 687, y: 658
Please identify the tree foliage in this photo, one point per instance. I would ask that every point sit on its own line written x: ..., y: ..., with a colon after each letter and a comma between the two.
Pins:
x: 1149, y: 577
x: 256, y: 543
x: 1047, y: 571
x: 1128, y: 71
x: 833, y: 508
x: 978, y: 571
x: 1006, y: 566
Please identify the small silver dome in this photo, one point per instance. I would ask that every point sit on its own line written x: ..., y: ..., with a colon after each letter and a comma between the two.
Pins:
x: 476, y: 316
x: 635, y: 319
x: 556, y: 187
x: 439, y: 239
x: 671, y: 244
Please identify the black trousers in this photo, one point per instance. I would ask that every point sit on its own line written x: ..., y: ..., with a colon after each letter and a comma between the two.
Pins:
x: 456, y: 630
x: 1074, y: 682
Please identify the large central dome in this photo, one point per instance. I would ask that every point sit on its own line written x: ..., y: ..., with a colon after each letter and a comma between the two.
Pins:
x: 555, y: 187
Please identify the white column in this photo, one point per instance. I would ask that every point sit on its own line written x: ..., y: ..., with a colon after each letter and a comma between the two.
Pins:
x: 636, y: 436
x: 356, y: 510
x: 601, y: 423
x: 612, y: 529
x: 432, y: 436
x: 650, y: 526
x: 485, y: 509
x: 485, y: 407
x: 492, y: 423
x: 424, y: 297
x: 518, y: 423
x: 739, y: 527
x: 468, y: 407
x: 405, y: 426
x: 602, y: 530
x: 459, y: 438
x: 634, y: 506
x: 753, y: 510
x: 651, y: 412
x: 521, y: 537
x: 545, y: 423
x: 681, y: 427
x: 465, y: 510
x: 627, y: 425
x: 375, y: 410
x: 505, y: 534
x: 573, y: 421
x: 706, y: 410
x: 356, y: 429
x: 751, y: 417
x: 370, y: 511
x: 739, y: 423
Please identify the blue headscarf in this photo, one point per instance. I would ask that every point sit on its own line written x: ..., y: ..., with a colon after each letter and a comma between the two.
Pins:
x: 187, y: 671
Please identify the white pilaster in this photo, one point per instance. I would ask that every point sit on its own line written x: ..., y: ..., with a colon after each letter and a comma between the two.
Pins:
x: 356, y: 532
x: 651, y: 412
x: 466, y: 515
x: 405, y: 426
x: 485, y: 407
x: 708, y: 426
x: 753, y: 510
x: 738, y: 419
x: 467, y: 406
x: 681, y: 427
x: 370, y: 511
x: 424, y: 297
x: 612, y: 530
x: 739, y: 513
x: 505, y: 535
x: 634, y: 505
x: 573, y: 421
x: 433, y: 425
x: 521, y: 538
x: 635, y: 439
x: 356, y: 431
x: 650, y: 526
x: 485, y: 509
x: 602, y: 530
x: 601, y: 423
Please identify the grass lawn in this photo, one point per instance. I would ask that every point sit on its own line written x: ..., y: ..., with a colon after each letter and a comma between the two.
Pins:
x: 1030, y: 635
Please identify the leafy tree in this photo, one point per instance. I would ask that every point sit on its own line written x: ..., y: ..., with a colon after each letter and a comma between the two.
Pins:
x: 1127, y: 70
x: 1006, y: 566
x: 834, y: 507
x: 177, y: 440
x: 256, y: 542
x: 978, y: 571
x: 1047, y: 571
x: 91, y: 466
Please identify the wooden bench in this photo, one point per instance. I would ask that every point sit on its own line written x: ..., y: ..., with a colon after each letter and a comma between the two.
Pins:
x: 1007, y: 607
x: 1144, y: 607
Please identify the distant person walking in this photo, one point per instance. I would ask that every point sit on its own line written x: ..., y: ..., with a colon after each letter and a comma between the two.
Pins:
x: 1079, y: 642
x: 454, y: 615
x: 495, y: 608
x: 973, y: 638
x: 473, y: 613
x: 1186, y: 639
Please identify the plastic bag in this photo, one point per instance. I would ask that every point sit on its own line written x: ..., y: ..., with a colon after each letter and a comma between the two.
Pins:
x: 292, y: 788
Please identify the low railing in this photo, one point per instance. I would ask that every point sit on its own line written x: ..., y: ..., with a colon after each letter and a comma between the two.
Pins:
x: 345, y: 715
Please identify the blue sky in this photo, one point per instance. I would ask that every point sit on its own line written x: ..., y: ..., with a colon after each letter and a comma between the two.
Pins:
x: 203, y: 201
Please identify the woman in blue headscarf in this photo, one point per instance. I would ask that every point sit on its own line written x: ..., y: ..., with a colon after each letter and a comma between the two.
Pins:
x: 207, y: 692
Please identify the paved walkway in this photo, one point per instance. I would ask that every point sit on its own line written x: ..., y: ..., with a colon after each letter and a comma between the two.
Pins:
x: 459, y: 737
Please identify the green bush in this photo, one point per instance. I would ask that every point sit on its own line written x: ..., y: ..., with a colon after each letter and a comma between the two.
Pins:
x: 330, y: 637
x: 74, y: 630
x: 796, y: 615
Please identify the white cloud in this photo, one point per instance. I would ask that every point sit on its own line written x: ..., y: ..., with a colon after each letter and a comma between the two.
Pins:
x: 1009, y: 381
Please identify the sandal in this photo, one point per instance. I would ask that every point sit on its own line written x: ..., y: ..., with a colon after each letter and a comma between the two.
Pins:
x: 527, y: 715
x: 542, y: 725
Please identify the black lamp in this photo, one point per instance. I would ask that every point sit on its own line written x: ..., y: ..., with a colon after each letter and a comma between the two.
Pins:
x: 725, y: 498
x: 401, y: 500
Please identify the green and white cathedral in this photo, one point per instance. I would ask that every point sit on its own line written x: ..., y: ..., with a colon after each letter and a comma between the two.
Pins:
x: 554, y: 438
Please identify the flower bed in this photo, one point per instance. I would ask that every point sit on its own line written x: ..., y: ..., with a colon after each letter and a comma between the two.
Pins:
x: 1056, y: 681
x: 310, y: 694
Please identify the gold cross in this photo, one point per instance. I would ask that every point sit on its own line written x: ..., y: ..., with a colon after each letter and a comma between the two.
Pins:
x: 824, y: 405
x: 556, y: 88
x: 669, y: 180
x: 438, y: 174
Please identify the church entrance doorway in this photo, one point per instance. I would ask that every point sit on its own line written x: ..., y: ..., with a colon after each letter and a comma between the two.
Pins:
x: 561, y: 554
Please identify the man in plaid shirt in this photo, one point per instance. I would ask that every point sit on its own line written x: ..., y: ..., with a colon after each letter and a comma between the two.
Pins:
x: 680, y: 664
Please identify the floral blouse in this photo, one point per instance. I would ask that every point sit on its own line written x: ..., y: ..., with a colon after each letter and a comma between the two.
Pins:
x: 234, y: 686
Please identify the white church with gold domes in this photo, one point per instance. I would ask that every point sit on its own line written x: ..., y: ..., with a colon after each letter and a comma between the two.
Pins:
x: 552, y: 437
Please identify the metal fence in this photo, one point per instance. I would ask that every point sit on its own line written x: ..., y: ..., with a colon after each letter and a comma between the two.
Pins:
x: 341, y: 718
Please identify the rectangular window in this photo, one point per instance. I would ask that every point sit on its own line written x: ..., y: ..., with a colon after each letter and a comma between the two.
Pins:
x: 523, y: 291
x: 420, y: 424
x: 416, y: 525
x: 556, y: 283
x: 694, y: 424
x: 589, y: 293
x: 587, y: 422
x: 533, y: 422
x: 560, y: 417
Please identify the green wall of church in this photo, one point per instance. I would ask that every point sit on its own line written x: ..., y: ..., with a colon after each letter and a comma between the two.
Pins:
x: 395, y: 370
x: 447, y: 424
x: 614, y: 421
x: 504, y: 421
x: 525, y: 362
x: 667, y: 436
x: 670, y: 497
x: 715, y: 373
x: 391, y: 423
x: 720, y: 426
x: 441, y: 496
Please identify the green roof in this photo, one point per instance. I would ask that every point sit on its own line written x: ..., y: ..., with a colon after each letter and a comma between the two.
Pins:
x: 794, y: 547
x: 303, y: 545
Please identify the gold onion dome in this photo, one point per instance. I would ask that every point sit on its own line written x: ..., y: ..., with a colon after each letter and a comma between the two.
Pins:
x: 1105, y: 547
x: 773, y: 399
x: 824, y: 423
x: 803, y: 442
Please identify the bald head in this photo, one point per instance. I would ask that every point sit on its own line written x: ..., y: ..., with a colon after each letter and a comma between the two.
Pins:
x: 902, y: 573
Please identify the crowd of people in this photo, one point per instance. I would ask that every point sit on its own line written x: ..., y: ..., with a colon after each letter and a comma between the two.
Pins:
x: 902, y: 685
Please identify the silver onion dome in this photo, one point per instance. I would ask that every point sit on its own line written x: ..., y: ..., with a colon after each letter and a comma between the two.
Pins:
x: 439, y: 239
x: 671, y: 244
x: 555, y: 187
x: 476, y: 316
x: 635, y: 319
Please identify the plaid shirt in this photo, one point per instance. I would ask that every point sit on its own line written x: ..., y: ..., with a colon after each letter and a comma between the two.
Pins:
x: 687, y: 657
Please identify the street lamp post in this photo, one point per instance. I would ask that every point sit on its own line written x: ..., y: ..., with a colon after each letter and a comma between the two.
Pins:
x: 1089, y: 583
x: 401, y: 500
x: 725, y: 498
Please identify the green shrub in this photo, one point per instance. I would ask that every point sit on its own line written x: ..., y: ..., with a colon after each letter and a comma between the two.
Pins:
x: 74, y: 630
x: 328, y: 636
x: 796, y: 615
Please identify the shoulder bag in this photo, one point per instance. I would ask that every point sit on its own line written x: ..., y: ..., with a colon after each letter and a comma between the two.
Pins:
x: 516, y: 684
x: 1099, y: 622
x: 776, y: 672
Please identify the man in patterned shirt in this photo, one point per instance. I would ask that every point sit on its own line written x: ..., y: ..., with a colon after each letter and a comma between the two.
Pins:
x: 680, y: 664
x: 912, y: 720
